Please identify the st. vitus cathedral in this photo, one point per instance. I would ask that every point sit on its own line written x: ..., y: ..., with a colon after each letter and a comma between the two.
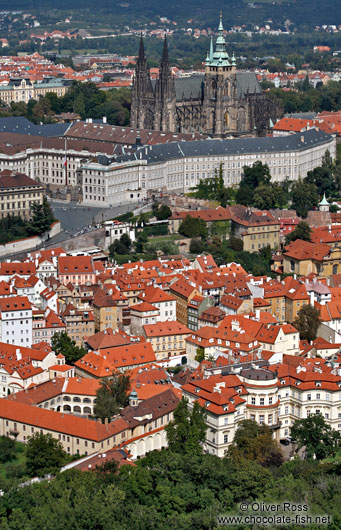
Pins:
x: 221, y: 102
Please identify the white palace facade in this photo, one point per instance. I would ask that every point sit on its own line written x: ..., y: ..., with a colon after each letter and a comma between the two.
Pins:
x: 177, y: 167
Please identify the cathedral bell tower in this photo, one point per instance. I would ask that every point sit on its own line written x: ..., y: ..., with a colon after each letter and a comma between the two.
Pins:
x: 220, y: 87
x: 142, y: 100
x: 165, y: 97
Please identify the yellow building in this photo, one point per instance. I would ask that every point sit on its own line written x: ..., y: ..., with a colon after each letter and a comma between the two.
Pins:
x: 183, y: 292
x: 257, y: 229
x: 166, y: 338
x: 79, y: 324
x: 22, y: 89
x: 17, y: 194
x: 303, y: 258
x: 294, y: 301
x: 275, y: 296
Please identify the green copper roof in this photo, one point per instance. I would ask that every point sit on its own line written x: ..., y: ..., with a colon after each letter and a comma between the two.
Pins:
x: 324, y: 201
x: 219, y: 57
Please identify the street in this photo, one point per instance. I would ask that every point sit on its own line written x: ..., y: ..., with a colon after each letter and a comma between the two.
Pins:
x: 76, y: 218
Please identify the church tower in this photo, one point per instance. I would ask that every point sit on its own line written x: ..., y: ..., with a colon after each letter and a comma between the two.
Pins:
x: 220, y: 90
x: 142, y: 99
x: 165, y: 97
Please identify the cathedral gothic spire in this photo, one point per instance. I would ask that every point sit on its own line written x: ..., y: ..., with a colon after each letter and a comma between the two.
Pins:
x: 164, y: 59
x: 142, y: 56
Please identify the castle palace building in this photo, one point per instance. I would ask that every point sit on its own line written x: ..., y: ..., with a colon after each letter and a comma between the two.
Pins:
x: 221, y: 102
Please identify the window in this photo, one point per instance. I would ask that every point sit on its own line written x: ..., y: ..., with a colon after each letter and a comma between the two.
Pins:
x: 318, y: 396
x: 261, y: 401
x: 226, y: 438
x: 253, y: 401
x: 309, y: 397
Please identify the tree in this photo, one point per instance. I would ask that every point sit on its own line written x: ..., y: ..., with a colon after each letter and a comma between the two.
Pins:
x: 163, y: 213
x: 255, y: 175
x: 264, y: 198
x: 41, y: 217
x: 318, y: 438
x: 196, y: 246
x: 111, y: 395
x: 254, y: 442
x: 304, y: 197
x: 141, y: 240
x: 79, y: 105
x: 235, y: 243
x: 244, y: 195
x: 44, y: 454
x: 120, y: 246
x: 187, y: 431
x: 63, y: 344
x: 307, y: 322
x: 302, y: 231
x: 214, y: 188
x: 7, y: 449
x: 193, y: 227
x: 322, y: 178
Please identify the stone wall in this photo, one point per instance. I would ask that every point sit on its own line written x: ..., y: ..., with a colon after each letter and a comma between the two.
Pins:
x: 29, y: 243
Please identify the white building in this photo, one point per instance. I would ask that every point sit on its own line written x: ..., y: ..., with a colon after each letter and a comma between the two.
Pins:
x: 16, y: 321
x: 115, y: 229
x: 164, y: 302
x: 179, y: 166
x: 274, y: 395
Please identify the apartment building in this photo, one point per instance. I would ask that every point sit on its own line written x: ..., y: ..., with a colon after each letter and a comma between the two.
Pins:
x: 79, y: 324
x: 18, y: 193
x: 183, y: 293
x: 168, y: 339
x: 16, y: 320
x: 79, y: 270
x: 164, y: 302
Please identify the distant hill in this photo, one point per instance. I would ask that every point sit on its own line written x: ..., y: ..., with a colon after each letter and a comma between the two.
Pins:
x: 203, y: 13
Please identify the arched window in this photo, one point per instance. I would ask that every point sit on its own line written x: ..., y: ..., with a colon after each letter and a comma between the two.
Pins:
x: 226, y: 89
x: 226, y: 119
x: 335, y: 269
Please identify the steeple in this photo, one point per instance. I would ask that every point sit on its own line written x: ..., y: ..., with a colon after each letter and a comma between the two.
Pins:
x: 142, y: 56
x: 219, y: 57
x: 221, y: 27
x: 164, y: 60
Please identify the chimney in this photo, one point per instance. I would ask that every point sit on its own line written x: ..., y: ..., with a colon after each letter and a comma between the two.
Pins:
x: 302, y: 139
x: 18, y: 354
x: 104, y: 119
